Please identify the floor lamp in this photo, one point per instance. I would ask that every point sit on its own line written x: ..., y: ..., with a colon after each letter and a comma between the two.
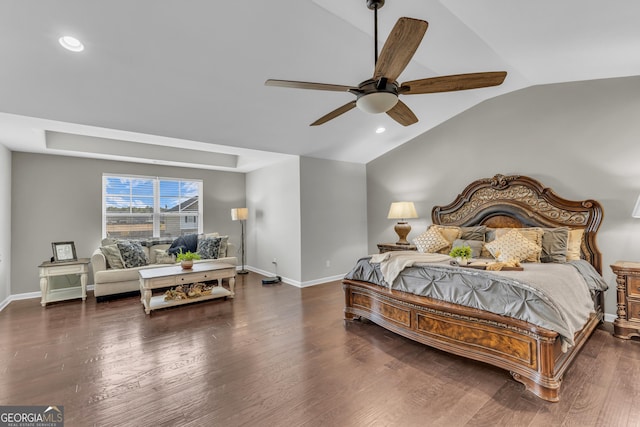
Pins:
x: 241, y: 214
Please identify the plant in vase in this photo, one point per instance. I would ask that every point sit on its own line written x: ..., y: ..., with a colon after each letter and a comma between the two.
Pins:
x: 462, y: 254
x: 186, y: 259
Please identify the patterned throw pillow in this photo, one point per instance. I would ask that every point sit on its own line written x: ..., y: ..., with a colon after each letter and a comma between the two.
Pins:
x: 510, y: 246
x: 450, y: 233
x: 430, y: 241
x: 533, y: 234
x: 132, y: 253
x: 209, y: 248
x: 112, y: 255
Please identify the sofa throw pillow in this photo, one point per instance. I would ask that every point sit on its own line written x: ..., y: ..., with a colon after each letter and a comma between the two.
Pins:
x: 162, y: 257
x: 430, y: 241
x: 132, y: 253
x: 112, y: 255
x: 209, y: 248
x: 473, y: 233
x: 512, y: 246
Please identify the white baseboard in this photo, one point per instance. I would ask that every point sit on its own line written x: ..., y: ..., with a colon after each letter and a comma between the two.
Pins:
x: 27, y: 295
x: 610, y: 317
x: 296, y: 283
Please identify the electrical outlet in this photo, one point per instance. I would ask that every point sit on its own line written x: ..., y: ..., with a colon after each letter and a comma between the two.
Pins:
x: 275, y: 261
x: 328, y: 263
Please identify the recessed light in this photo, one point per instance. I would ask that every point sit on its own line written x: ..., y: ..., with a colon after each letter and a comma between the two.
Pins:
x: 71, y: 43
x: 380, y: 130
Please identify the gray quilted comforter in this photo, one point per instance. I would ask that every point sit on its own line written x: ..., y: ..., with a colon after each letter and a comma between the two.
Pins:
x: 551, y: 295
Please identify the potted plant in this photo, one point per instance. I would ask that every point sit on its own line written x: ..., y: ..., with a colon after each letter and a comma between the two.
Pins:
x: 186, y: 259
x: 461, y: 253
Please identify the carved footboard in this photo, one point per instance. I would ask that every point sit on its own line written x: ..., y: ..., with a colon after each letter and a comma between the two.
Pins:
x: 532, y: 354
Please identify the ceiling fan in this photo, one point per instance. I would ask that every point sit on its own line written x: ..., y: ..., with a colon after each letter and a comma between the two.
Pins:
x: 379, y: 94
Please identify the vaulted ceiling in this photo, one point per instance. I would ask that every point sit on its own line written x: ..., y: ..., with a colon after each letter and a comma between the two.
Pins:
x: 158, y: 75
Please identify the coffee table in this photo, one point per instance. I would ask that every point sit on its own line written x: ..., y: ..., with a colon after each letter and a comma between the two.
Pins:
x: 174, y: 275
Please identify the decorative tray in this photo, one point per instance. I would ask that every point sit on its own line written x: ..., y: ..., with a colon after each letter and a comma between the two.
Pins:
x: 483, y: 266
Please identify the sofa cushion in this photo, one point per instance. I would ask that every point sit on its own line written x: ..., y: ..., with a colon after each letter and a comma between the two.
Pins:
x: 133, y: 254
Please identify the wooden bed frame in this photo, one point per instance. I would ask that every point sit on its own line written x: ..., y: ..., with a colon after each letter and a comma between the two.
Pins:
x: 532, y: 354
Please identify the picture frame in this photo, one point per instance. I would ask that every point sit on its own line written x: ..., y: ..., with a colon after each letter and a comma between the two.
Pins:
x: 64, y: 251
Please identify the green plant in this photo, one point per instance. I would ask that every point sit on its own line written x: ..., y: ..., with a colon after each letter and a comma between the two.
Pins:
x: 461, y: 252
x: 187, y: 256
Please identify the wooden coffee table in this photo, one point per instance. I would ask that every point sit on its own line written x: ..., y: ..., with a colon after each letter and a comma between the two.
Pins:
x: 174, y: 275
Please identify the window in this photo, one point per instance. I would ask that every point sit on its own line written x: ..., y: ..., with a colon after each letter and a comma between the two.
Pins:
x: 141, y: 207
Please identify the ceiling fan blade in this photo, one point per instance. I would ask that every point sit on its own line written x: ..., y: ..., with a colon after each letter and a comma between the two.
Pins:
x: 402, y: 114
x: 307, y: 85
x: 452, y: 83
x: 335, y: 113
x: 399, y: 48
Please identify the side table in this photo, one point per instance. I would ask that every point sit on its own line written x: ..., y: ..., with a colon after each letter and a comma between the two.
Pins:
x: 628, y: 292
x: 50, y: 269
x: 388, y: 247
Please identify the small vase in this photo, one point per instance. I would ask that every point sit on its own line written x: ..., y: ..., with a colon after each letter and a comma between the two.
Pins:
x: 186, y: 264
x: 461, y: 261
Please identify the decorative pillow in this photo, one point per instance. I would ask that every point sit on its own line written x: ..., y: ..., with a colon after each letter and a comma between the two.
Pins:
x: 209, y: 248
x: 554, y: 244
x: 430, y: 241
x: 512, y: 245
x: 132, y: 253
x: 224, y: 242
x: 475, y: 245
x: 112, y: 255
x: 574, y: 244
x: 450, y: 233
x: 473, y: 233
x: 162, y: 257
x: 534, y: 234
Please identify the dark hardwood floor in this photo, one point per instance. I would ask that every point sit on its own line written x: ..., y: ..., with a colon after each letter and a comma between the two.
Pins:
x: 277, y: 355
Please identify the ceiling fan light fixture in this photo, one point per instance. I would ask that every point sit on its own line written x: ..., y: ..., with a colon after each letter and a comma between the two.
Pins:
x: 71, y: 43
x: 377, y: 102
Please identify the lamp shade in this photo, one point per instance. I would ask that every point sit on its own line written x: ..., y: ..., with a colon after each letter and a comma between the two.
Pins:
x: 402, y: 210
x: 636, y: 209
x: 239, y: 214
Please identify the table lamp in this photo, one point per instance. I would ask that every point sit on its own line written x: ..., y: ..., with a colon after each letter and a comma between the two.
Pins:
x: 402, y: 211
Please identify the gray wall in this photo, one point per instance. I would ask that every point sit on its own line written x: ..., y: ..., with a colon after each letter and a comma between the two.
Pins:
x: 333, y: 208
x: 57, y: 198
x: 5, y: 223
x: 580, y: 138
x: 273, y: 199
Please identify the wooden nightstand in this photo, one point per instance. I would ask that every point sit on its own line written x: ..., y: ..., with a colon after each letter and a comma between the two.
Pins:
x: 388, y: 247
x: 628, y: 285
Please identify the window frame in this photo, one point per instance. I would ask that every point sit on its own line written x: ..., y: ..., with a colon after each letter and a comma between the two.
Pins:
x: 157, y: 214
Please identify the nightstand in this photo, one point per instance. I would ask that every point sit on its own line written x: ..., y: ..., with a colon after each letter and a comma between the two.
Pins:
x: 628, y: 286
x: 388, y: 247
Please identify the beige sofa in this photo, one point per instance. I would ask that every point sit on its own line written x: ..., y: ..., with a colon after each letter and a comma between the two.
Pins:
x: 111, y: 281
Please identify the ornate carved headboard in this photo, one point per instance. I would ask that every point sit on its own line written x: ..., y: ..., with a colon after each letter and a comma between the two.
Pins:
x: 520, y: 201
